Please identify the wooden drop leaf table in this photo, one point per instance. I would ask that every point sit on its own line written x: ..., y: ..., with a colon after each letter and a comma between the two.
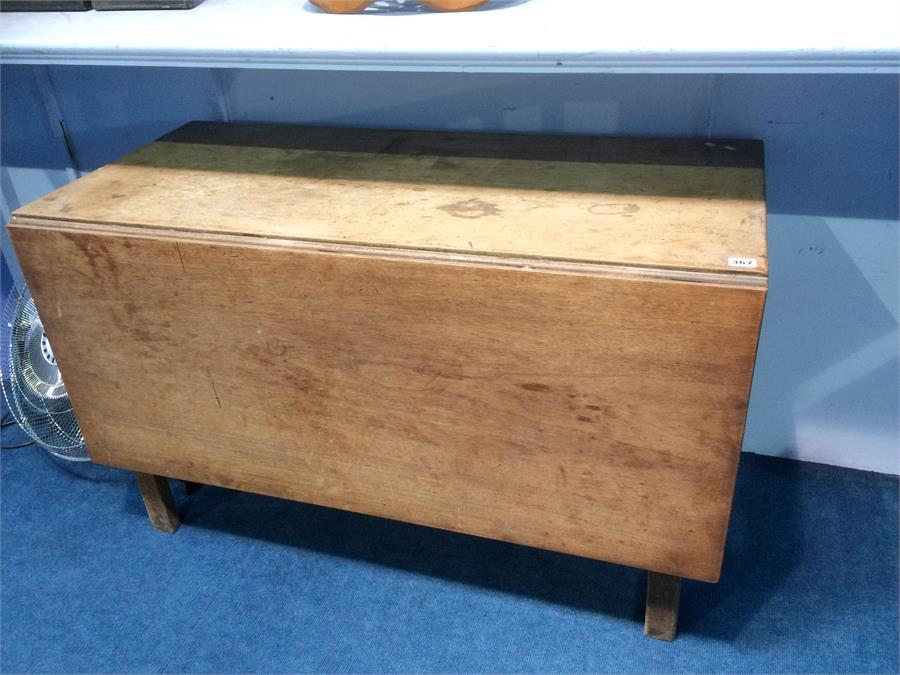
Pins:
x: 546, y: 340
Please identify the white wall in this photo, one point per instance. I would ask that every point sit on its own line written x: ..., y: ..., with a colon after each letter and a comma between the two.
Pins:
x: 827, y: 386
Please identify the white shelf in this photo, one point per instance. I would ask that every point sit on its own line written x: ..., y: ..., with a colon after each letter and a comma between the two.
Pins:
x: 571, y: 36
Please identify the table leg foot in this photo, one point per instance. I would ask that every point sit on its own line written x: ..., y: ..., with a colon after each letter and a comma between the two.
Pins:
x: 158, y: 499
x: 663, y: 596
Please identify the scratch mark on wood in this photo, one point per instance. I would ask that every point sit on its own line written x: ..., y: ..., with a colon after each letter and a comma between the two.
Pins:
x: 178, y: 248
x: 215, y: 393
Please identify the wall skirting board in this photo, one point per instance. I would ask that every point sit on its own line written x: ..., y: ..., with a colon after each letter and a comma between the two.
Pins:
x: 826, y: 384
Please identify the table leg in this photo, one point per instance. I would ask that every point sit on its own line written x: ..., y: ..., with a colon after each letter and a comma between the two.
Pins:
x: 158, y: 500
x: 663, y: 596
x: 190, y: 487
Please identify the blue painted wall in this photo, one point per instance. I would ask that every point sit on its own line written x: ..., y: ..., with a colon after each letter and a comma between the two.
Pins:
x: 826, y: 387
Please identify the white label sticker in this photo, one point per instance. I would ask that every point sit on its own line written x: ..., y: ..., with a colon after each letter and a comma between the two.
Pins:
x: 742, y: 262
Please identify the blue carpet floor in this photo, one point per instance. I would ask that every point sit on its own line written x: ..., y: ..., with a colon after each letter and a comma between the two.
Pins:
x: 253, y: 584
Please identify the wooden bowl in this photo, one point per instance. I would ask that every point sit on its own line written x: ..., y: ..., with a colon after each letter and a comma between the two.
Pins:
x: 452, y: 5
x: 353, y: 6
x: 342, y: 6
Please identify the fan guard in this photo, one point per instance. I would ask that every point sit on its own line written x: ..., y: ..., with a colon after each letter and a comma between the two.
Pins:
x: 32, y: 384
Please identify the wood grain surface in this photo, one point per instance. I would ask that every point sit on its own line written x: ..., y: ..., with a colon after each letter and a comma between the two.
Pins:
x: 686, y: 205
x: 579, y: 412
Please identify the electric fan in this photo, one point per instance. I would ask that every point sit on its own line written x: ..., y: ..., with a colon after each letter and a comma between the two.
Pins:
x: 32, y: 385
